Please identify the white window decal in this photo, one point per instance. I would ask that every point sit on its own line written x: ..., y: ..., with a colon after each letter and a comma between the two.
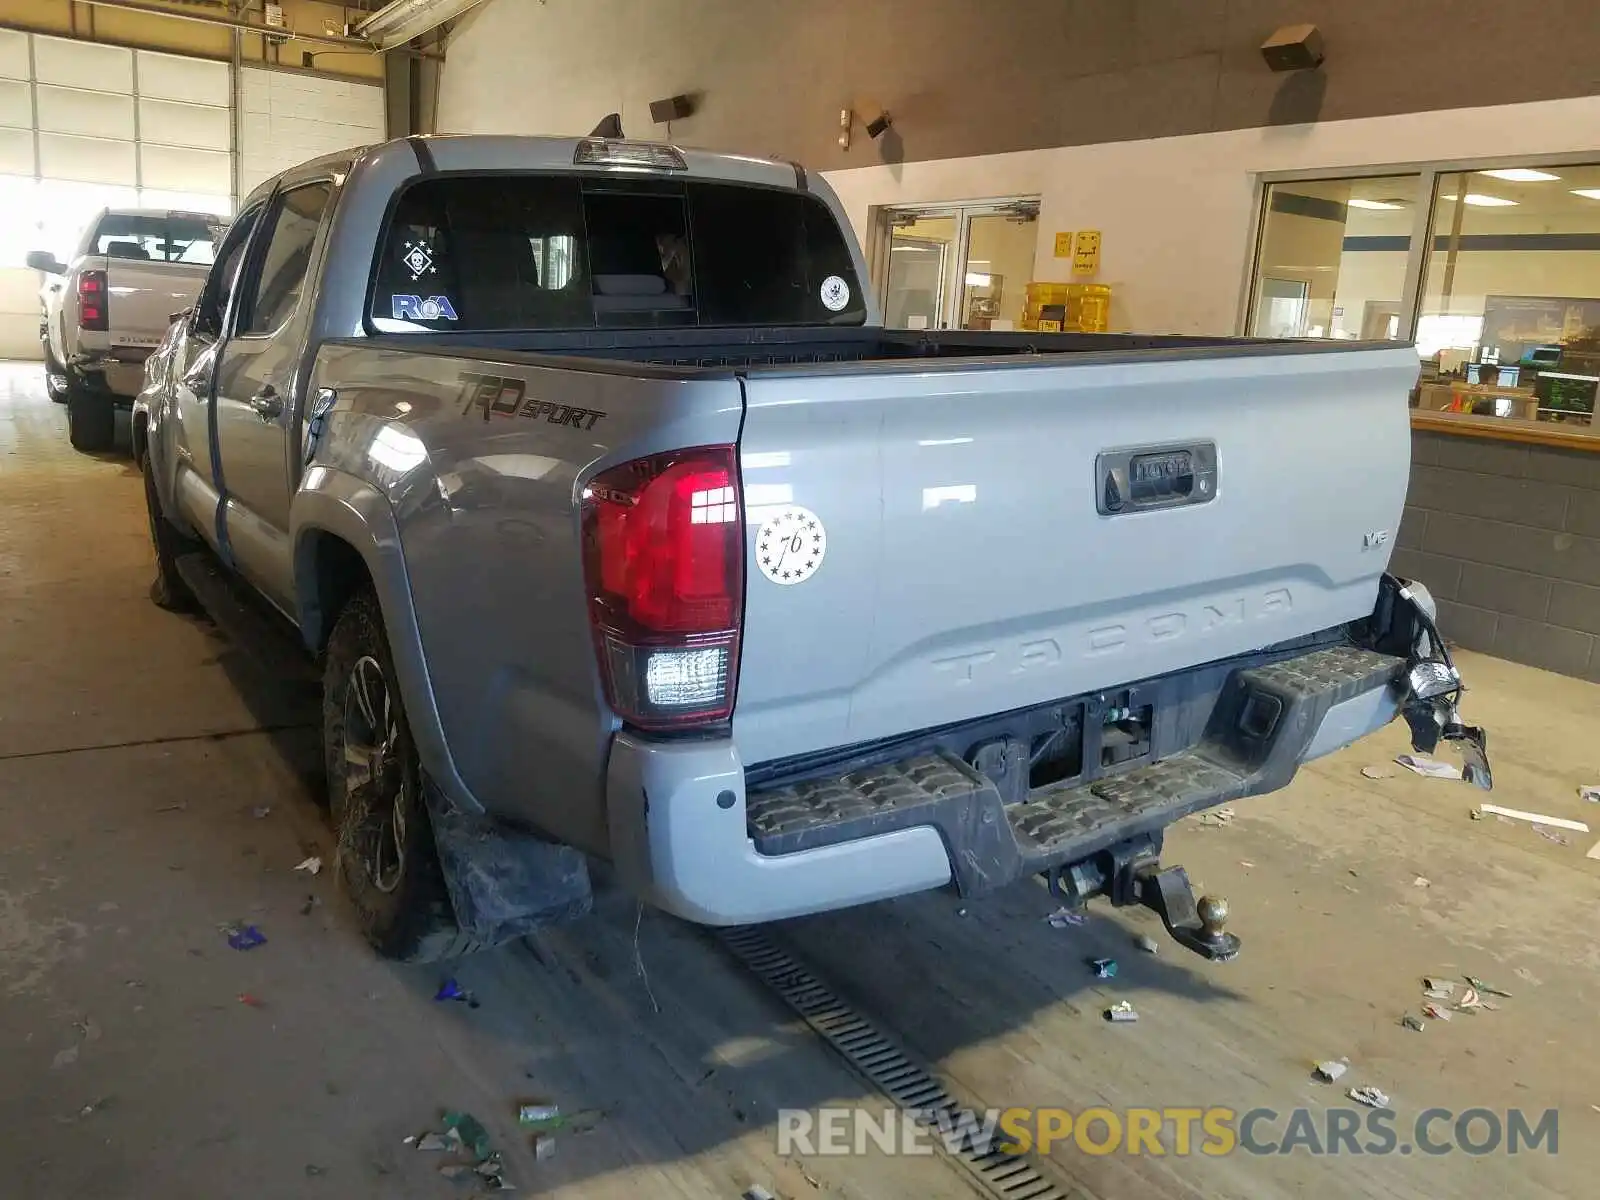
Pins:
x: 790, y: 545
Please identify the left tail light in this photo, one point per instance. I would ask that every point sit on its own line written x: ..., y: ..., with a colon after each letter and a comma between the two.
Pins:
x: 92, y: 298
x: 663, y: 549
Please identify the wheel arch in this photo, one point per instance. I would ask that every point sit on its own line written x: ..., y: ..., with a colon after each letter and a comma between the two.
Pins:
x: 344, y: 537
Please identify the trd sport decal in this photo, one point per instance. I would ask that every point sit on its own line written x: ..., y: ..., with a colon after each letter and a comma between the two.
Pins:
x: 501, y: 396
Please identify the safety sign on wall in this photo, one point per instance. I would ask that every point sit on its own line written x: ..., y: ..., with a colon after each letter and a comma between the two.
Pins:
x: 1086, y: 252
x: 1064, y: 245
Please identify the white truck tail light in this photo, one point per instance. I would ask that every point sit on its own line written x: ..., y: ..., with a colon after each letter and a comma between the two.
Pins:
x: 663, y: 551
x: 92, y: 296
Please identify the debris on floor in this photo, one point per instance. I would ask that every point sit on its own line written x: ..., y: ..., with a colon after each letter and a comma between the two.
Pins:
x: 1486, y: 988
x: 1421, y: 881
x: 1370, y: 1096
x: 1147, y: 943
x: 260, y: 811
x: 1430, y: 767
x: 250, y: 1001
x: 1064, y: 916
x: 1517, y: 814
x: 448, y: 1142
x: 1594, y: 851
x: 1435, y: 1012
x: 311, y: 866
x: 1377, y: 772
x: 1412, y: 1021
x: 1589, y: 792
x: 65, y: 1058
x: 451, y: 990
x: 1551, y: 835
x: 1330, y: 1071
x: 1121, y: 1011
x: 1104, y: 968
x: 756, y: 1192
x: 244, y: 937
x: 471, y: 1131
x: 1438, y: 989
x: 1217, y: 816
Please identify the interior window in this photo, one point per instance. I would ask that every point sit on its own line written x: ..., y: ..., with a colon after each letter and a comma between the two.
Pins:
x: 149, y: 237
x: 295, y: 218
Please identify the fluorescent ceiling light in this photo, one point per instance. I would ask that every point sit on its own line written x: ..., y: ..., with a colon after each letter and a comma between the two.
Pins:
x: 397, y: 23
x: 1354, y: 203
x: 1520, y: 175
x: 1587, y: 193
x: 1483, y: 201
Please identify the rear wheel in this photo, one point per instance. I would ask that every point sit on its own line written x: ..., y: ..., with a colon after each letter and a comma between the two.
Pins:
x: 169, y: 590
x: 386, y: 852
x: 91, y: 419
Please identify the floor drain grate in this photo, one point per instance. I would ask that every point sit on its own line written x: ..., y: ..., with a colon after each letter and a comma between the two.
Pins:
x: 879, y: 1061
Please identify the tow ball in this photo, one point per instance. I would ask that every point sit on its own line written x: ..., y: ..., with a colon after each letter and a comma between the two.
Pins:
x: 1131, y: 873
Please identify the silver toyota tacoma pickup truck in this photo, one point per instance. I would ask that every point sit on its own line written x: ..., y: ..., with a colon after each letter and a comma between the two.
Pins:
x: 616, y: 529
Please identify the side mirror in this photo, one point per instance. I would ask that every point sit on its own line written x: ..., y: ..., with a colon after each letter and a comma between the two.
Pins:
x: 43, y: 260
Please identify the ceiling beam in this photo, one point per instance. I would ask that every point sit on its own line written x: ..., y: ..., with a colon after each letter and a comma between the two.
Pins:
x: 203, y: 18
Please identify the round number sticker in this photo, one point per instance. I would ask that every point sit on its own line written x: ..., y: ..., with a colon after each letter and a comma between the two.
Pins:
x: 835, y: 293
x: 790, y: 545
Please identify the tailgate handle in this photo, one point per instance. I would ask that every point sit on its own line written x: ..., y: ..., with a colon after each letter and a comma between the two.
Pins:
x: 1141, y: 478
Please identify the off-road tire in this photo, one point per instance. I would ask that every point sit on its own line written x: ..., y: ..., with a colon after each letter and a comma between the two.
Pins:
x: 91, y: 420
x: 415, y: 922
x: 169, y: 591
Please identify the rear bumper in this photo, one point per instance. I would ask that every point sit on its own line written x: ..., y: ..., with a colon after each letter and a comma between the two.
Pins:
x: 688, y: 836
x: 119, y: 372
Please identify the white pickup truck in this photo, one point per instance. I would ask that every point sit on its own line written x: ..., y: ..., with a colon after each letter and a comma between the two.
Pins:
x: 107, y: 309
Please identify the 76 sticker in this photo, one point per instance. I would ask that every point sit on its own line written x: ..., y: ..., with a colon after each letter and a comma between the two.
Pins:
x: 790, y: 545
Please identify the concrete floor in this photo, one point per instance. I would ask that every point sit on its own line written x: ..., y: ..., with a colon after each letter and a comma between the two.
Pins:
x: 153, y: 786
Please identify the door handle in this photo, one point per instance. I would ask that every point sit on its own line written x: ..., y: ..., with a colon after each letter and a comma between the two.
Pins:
x: 268, y: 405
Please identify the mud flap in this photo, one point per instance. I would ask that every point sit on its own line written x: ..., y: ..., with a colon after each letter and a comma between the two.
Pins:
x: 505, y: 882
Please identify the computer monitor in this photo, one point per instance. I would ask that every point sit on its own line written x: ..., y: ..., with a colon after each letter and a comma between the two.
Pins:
x: 1508, y: 377
x: 1543, y: 356
x: 1474, y: 373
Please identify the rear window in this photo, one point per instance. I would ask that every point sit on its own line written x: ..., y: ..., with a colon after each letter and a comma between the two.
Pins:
x: 155, y: 238
x: 532, y: 252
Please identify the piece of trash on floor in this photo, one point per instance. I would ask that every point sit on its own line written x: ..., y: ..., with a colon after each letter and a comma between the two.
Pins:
x: 493, y: 1172
x: 1370, y: 1096
x: 448, y: 1142
x: 1551, y: 835
x: 1589, y: 792
x: 1245, y: 862
x: 260, y: 811
x: 1486, y: 989
x: 178, y: 807
x: 64, y: 1058
x: 756, y: 1192
x: 1377, y: 772
x: 1104, y: 968
x: 250, y: 1001
x: 1147, y: 943
x: 1330, y: 1071
x: 1438, y: 989
x: 1422, y: 764
x: 1594, y: 851
x: 1517, y: 814
x: 1433, y: 1011
x: 451, y: 990
x: 311, y: 866
x: 544, y: 1146
x: 1064, y: 916
x: 1422, y: 881
x: 1472, y: 1002
x: 1217, y: 816
x: 471, y: 1131
x: 548, y: 1118
x: 537, y: 1114
x: 1121, y: 1011
x: 1412, y: 1021
x: 244, y: 937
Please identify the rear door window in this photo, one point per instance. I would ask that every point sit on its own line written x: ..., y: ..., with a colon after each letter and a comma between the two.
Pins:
x: 551, y: 252
x: 291, y: 237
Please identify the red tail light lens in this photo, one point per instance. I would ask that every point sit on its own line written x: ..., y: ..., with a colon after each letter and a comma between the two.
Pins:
x: 663, y: 542
x: 92, y: 301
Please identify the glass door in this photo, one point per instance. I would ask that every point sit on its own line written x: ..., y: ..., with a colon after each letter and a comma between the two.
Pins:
x: 958, y: 267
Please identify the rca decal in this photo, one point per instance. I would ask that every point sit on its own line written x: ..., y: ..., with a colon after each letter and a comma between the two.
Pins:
x: 418, y: 308
x: 790, y: 545
x: 507, y: 396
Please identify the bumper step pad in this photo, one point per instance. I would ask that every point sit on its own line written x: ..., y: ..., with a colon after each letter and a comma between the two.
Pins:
x: 1262, y: 723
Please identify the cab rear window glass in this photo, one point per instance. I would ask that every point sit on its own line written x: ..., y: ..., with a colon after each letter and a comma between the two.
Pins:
x: 156, y: 238
x: 541, y: 252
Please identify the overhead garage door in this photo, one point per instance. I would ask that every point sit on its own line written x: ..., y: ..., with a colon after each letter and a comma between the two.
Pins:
x: 84, y: 126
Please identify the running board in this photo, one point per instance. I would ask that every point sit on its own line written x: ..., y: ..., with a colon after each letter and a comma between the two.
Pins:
x: 246, y: 621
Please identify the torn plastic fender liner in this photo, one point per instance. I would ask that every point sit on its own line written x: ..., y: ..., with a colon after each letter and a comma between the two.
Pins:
x: 505, y: 882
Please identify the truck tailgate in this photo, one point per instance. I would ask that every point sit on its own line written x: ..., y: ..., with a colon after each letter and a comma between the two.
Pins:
x: 1005, y: 533
x: 144, y: 295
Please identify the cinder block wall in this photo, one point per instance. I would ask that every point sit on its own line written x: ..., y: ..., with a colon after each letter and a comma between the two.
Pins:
x: 1507, y: 538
